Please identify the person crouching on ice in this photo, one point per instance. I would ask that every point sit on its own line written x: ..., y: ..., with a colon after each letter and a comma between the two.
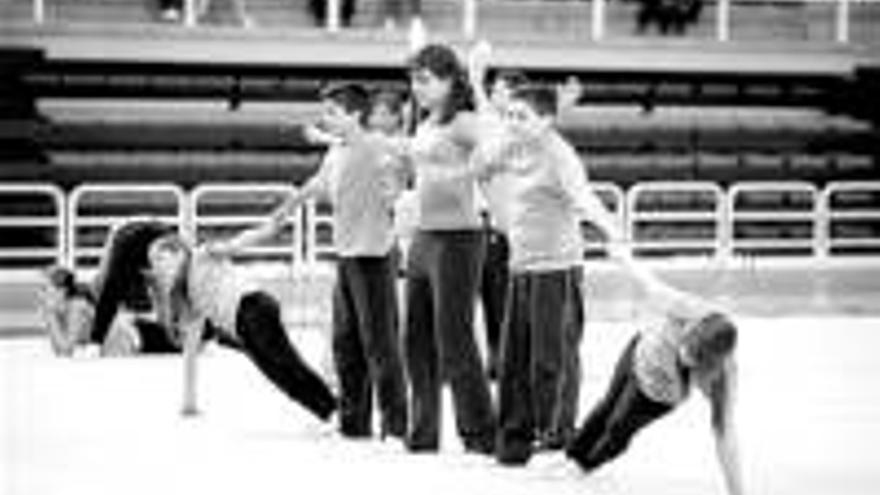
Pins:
x: 200, y: 283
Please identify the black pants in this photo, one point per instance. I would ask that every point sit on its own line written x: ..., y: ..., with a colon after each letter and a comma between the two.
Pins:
x: 319, y: 11
x: 494, y: 278
x: 155, y: 338
x: 540, y: 364
x: 439, y: 344
x: 264, y: 340
x: 120, y: 280
x: 625, y: 409
x: 171, y: 4
x: 366, y: 346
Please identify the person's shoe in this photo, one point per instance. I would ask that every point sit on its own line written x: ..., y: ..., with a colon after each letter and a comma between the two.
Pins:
x: 513, y: 456
x: 551, y: 441
x: 421, y: 447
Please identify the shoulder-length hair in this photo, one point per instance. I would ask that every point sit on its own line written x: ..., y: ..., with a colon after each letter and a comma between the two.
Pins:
x: 175, y: 303
x: 442, y: 63
x: 120, y: 279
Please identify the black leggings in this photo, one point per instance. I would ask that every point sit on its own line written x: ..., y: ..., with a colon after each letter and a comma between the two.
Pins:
x: 611, y: 425
x: 264, y: 340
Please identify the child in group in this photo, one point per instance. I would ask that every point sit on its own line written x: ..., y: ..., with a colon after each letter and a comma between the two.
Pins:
x: 125, y: 319
x: 386, y: 118
x: 116, y: 312
x: 495, y: 273
x: 547, y: 196
x: 68, y: 309
x: 361, y: 187
x: 444, y: 259
x: 691, y: 345
x: 199, y: 286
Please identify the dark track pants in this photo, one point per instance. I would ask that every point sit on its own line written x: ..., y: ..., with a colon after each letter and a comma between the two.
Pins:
x: 540, y: 366
x: 494, y: 279
x: 614, y: 421
x: 439, y: 343
x: 264, y: 340
x: 366, y: 346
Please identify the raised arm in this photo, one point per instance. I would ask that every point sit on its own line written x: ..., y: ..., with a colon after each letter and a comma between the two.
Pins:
x: 477, y: 63
x: 721, y: 394
x: 192, y: 339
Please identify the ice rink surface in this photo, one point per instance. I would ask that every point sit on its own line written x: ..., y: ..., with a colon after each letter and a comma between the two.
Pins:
x: 808, y: 415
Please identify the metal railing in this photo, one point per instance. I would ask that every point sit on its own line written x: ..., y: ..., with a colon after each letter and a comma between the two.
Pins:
x: 32, y: 219
x: 773, y: 218
x: 850, y: 223
x: 612, y: 196
x: 217, y: 208
x: 688, y: 210
x: 792, y: 217
x: 95, y: 209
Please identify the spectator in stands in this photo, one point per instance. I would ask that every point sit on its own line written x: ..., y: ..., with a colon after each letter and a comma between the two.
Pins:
x: 670, y: 16
x: 397, y: 13
x: 172, y: 11
x: 320, y: 11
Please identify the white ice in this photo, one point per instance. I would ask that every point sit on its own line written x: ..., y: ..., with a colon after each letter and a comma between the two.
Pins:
x: 808, y: 415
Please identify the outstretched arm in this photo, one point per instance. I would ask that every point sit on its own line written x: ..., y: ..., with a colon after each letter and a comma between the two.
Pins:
x: 477, y: 63
x: 721, y: 397
x: 273, y: 224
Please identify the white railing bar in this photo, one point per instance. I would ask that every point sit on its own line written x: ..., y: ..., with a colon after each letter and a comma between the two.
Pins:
x: 843, y: 20
x: 770, y: 216
x: 333, y: 15
x: 723, y: 20
x: 855, y: 215
x: 469, y: 19
x: 598, y: 20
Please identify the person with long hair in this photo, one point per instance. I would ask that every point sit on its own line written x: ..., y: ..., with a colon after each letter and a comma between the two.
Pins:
x: 444, y: 258
x: 199, y: 284
x: 124, y: 310
x: 690, y: 345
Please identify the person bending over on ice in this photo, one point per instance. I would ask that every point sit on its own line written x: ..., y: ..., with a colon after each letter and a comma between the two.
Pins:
x: 199, y: 284
x: 691, y: 346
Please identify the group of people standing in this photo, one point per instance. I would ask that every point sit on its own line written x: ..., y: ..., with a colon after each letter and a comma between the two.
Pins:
x: 465, y: 145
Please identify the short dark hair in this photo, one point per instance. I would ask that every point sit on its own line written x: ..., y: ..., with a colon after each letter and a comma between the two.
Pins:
x: 541, y: 99
x: 512, y: 77
x: 442, y: 62
x: 352, y: 97
x: 65, y: 280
